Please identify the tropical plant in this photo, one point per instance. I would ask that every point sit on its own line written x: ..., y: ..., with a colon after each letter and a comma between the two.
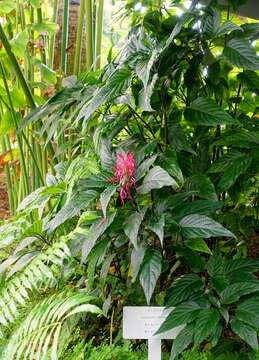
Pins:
x: 158, y: 149
x: 225, y: 295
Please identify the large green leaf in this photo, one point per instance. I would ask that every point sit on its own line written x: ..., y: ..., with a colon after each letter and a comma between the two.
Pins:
x: 155, y: 179
x: 240, y: 265
x: 227, y: 28
x: 116, y: 86
x: 95, y: 231
x: 250, y: 79
x: 202, y: 207
x: 183, y: 339
x: 137, y: 257
x: 150, y: 272
x: 245, y: 332
x: 233, y: 164
x: 195, y: 226
x: 202, y: 186
x: 158, y: 228
x: 132, y: 225
x: 74, y: 206
x: 144, y: 167
x: 182, y: 288
x: 168, y: 161
x: 182, y: 314
x: 205, y: 111
x: 245, y: 140
x: 240, y: 53
x: 106, y: 197
x: 248, y: 311
x: 145, y: 95
x: 19, y: 43
x: 205, y: 324
x: 233, y: 292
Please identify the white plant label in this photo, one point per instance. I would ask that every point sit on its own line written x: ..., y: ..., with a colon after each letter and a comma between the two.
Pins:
x: 142, y: 322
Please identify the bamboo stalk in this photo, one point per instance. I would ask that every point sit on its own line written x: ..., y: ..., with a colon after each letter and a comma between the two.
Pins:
x: 89, y: 34
x: 80, y: 27
x: 53, y: 37
x: 64, y: 41
x: 99, y: 30
x: 8, y: 179
x: 42, y: 47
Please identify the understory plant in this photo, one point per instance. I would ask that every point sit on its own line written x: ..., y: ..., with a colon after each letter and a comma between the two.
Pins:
x: 163, y: 155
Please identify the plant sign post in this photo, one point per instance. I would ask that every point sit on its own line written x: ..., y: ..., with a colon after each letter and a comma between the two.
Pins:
x: 142, y: 322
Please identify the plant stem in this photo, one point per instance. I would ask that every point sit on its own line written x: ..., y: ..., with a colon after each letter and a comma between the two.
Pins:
x: 80, y: 27
x: 42, y: 47
x: 99, y: 30
x: 64, y: 41
x: 17, y: 69
x: 89, y: 34
x: 53, y: 36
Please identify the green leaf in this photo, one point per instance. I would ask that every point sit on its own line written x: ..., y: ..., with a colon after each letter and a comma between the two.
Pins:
x: 144, y: 66
x: 145, y: 95
x: 155, y: 179
x: 96, y: 230
x: 233, y: 164
x: 106, y: 197
x: 7, y: 6
x: 240, y: 53
x: 183, y: 339
x: 195, y: 226
x: 239, y: 265
x: 227, y: 28
x: 48, y: 74
x: 182, y: 288
x: 150, y: 272
x: 248, y: 312
x: 19, y: 43
x: 74, y: 206
x: 240, y: 140
x: 250, y: 79
x: 132, y: 225
x: 158, y: 228
x: 144, y: 166
x: 182, y: 314
x: 233, y: 292
x: 198, y: 244
x: 117, y: 84
x: 211, y: 21
x: 245, y: 332
x: 51, y: 28
x: 205, y: 324
x: 206, y: 112
x: 202, y: 207
x: 98, y: 251
x: 202, y: 185
x: 168, y: 161
x: 137, y: 257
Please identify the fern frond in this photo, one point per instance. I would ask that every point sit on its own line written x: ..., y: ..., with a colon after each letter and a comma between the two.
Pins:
x: 40, y: 272
x: 38, y: 335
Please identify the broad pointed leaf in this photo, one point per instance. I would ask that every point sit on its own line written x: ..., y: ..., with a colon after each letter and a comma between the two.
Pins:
x: 205, y: 111
x: 183, y: 339
x: 241, y: 54
x: 182, y: 288
x: 106, y: 197
x: 182, y: 314
x: 205, y: 324
x: 245, y: 332
x: 132, y: 225
x: 233, y: 292
x: 194, y: 226
x: 155, y: 179
x: 150, y: 272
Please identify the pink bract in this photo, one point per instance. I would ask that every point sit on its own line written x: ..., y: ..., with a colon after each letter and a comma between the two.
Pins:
x: 124, y: 174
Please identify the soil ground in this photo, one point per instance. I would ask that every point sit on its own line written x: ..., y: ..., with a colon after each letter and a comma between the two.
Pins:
x: 4, y: 206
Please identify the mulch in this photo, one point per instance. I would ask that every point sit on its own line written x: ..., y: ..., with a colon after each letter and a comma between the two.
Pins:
x: 4, y: 206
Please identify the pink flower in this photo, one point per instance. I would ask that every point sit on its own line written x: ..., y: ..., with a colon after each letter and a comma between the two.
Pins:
x: 124, y: 174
